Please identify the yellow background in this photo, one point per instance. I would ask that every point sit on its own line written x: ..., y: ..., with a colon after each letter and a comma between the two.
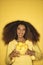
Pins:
x: 28, y: 10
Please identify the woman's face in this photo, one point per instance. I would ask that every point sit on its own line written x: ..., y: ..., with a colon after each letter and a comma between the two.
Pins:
x: 21, y: 29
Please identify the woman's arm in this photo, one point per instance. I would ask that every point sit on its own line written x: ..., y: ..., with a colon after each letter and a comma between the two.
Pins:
x: 34, y: 50
x: 30, y: 52
x: 14, y: 53
x: 10, y: 53
x: 38, y: 53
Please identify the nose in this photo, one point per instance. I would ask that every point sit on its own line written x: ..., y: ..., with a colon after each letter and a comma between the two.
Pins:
x: 21, y: 31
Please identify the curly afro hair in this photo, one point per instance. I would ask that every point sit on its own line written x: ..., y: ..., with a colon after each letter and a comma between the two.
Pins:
x: 10, y: 33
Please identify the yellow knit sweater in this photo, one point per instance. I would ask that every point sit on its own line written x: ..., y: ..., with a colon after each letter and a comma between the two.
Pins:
x: 22, y: 48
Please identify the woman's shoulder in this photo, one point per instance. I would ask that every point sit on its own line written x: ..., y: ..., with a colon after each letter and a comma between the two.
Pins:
x: 13, y: 42
x: 29, y: 43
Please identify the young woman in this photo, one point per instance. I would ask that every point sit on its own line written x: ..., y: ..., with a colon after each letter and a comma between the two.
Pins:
x: 21, y: 38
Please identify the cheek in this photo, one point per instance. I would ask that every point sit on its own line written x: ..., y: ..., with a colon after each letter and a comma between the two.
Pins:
x: 18, y: 31
x: 23, y: 32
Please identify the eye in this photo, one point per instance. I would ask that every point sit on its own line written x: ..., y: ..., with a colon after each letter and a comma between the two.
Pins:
x: 18, y: 28
x: 24, y: 29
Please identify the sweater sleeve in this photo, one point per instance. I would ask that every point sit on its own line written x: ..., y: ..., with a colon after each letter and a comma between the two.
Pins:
x: 34, y: 47
x: 38, y: 53
x: 10, y: 48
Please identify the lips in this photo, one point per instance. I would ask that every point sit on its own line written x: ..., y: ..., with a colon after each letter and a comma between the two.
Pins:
x: 20, y: 34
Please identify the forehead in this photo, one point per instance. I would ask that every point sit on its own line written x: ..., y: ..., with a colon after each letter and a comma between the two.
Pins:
x: 21, y: 26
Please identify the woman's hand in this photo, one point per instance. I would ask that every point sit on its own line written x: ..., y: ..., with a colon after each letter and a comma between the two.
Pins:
x: 30, y: 52
x: 14, y: 53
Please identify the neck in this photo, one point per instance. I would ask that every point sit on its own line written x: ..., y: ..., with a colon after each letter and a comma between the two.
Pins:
x: 21, y: 39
